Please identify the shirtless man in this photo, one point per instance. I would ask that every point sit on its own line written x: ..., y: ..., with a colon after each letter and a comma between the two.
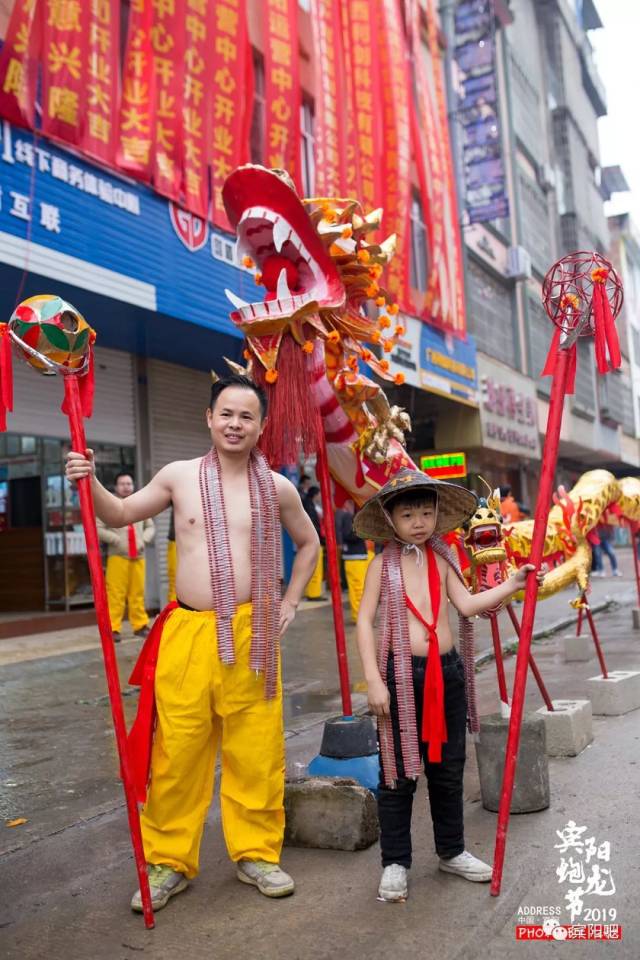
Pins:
x: 217, y: 679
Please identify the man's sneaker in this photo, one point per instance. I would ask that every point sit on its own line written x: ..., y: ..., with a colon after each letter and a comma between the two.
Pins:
x: 267, y: 877
x: 142, y: 632
x: 467, y: 866
x: 616, y: 573
x: 393, y: 885
x: 164, y: 883
x: 116, y: 636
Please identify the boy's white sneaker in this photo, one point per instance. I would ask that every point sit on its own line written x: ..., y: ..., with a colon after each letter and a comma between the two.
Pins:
x: 393, y: 885
x: 164, y: 883
x: 467, y: 866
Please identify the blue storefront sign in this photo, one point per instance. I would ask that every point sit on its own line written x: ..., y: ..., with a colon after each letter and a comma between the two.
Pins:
x: 73, y: 223
x: 448, y: 366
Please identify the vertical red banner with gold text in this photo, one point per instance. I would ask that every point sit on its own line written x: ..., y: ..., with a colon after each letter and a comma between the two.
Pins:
x: 102, y: 78
x: 167, y: 44
x: 199, y: 32
x: 135, y: 141
x: 230, y: 69
x: 65, y: 52
x: 330, y: 174
x: 282, y: 85
x: 396, y: 167
x: 363, y: 40
x: 19, y: 64
x: 453, y: 243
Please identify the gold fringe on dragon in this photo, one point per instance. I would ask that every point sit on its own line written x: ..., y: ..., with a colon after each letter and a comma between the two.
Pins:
x: 495, y: 549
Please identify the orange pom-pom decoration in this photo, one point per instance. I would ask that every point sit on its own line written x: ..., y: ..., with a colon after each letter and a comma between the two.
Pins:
x: 346, y: 233
x: 352, y: 362
x: 334, y: 337
x: 307, y: 346
x: 257, y: 278
x: 399, y: 379
x: 380, y: 302
x: 599, y: 275
x: 387, y: 346
x: 376, y: 336
x: 400, y: 330
x: 271, y: 376
x: 384, y: 365
x: 372, y: 289
x: 364, y: 256
x: 247, y: 262
x: 384, y: 321
x: 393, y: 308
x: 367, y: 355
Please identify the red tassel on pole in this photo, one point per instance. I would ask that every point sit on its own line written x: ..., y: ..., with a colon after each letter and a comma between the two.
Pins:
x: 552, y: 359
x: 87, y: 387
x: 6, y: 376
x: 606, y: 335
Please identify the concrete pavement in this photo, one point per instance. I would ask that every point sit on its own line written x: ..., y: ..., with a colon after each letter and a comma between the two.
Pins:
x: 67, y: 874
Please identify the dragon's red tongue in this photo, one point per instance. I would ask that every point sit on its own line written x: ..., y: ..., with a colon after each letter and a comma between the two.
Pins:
x: 272, y: 268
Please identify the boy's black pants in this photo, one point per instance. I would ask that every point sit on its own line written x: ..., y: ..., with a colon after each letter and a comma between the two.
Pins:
x: 444, y: 779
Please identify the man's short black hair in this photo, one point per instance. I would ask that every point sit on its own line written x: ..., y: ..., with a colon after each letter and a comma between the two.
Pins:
x: 122, y: 473
x: 420, y: 497
x: 313, y: 492
x: 238, y: 380
x: 505, y: 491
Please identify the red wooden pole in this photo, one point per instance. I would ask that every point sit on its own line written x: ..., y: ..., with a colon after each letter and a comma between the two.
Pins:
x: 545, y: 490
x: 497, y: 651
x: 79, y: 443
x: 532, y: 663
x: 636, y: 562
x: 596, y: 639
x: 322, y: 471
x: 579, y: 624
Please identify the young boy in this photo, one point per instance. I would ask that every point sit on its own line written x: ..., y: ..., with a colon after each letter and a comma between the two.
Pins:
x: 419, y: 687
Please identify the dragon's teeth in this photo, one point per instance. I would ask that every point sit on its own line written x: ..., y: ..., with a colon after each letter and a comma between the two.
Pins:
x: 281, y: 231
x: 282, y: 290
x: 237, y: 302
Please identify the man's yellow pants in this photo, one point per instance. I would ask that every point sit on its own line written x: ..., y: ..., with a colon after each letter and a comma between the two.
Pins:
x: 172, y: 564
x: 314, y: 587
x: 125, y: 584
x: 204, y: 705
x: 355, y: 572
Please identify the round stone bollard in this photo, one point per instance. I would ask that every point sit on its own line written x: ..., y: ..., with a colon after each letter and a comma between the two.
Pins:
x: 531, y: 787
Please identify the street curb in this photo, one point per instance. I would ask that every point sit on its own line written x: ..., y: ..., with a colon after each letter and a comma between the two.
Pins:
x: 511, y: 645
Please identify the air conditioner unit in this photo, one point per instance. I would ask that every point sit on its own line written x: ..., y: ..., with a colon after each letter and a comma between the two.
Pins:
x: 518, y: 263
x: 546, y: 177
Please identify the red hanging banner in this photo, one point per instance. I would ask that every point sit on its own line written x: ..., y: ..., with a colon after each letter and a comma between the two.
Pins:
x: 169, y: 115
x: 232, y: 95
x: 363, y: 27
x: 282, y: 86
x: 135, y: 153
x: 454, y: 315
x: 396, y: 167
x: 65, y: 53
x: 100, y: 120
x: 197, y: 105
x: 19, y: 64
x: 330, y: 173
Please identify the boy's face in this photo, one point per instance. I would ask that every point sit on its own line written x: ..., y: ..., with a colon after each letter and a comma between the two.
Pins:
x: 414, y: 523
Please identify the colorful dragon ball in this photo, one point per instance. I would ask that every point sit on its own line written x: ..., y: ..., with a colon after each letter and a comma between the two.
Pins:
x: 52, y: 328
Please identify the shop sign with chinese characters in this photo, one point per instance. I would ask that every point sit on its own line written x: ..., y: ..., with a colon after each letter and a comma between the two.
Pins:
x: 508, y: 410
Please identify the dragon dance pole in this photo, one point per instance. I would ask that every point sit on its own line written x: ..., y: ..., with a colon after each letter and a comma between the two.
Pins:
x: 322, y: 470
x: 78, y: 442
x: 636, y: 561
x: 545, y: 491
x: 532, y: 663
x: 497, y: 652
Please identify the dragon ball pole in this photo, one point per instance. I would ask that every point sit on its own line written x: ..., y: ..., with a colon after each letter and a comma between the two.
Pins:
x: 636, y: 561
x: 78, y: 442
x: 322, y: 471
x: 545, y: 491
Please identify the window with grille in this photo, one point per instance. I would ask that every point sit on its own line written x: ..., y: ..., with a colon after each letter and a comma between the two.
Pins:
x: 419, y: 246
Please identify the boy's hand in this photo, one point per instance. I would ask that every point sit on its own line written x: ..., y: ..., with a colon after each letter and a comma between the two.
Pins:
x: 378, y: 697
x: 520, y: 578
x: 79, y: 465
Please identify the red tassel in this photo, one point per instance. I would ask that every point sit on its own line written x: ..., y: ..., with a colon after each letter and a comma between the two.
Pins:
x: 6, y: 377
x: 552, y: 358
x: 606, y: 335
x: 292, y: 422
x: 87, y: 388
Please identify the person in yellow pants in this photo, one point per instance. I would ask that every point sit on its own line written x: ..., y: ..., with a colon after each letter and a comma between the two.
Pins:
x: 312, y: 506
x: 355, y: 555
x: 172, y: 560
x: 205, y: 707
x: 125, y: 566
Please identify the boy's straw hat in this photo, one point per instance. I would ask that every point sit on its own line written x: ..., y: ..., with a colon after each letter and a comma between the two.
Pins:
x: 455, y: 505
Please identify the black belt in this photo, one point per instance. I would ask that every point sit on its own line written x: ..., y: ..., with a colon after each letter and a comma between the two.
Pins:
x: 185, y: 606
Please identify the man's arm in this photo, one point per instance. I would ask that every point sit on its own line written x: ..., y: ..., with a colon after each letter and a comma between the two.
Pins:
x: 112, y: 510
x: 377, y: 692
x: 470, y: 605
x: 299, y: 527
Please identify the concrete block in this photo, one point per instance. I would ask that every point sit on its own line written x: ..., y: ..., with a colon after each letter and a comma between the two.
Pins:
x: 569, y: 728
x: 531, y: 785
x: 635, y: 618
x: 329, y: 813
x: 618, y: 694
x: 578, y: 648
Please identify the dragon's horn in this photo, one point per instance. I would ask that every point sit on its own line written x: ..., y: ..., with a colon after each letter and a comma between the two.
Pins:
x: 214, y: 377
x: 236, y: 367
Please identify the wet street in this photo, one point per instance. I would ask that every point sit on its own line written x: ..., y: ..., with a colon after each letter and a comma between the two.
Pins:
x: 69, y: 866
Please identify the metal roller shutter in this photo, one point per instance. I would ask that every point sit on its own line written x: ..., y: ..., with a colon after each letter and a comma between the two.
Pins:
x: 178, y: 398
x: 37, y: 402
